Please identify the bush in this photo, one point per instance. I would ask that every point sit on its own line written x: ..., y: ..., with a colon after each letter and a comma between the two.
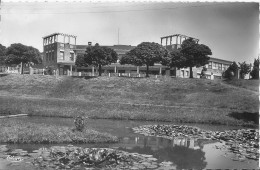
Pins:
x: 230, y: 73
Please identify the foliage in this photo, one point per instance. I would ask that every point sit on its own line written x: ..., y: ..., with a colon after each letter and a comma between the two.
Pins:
x: 19, y: 53
x: 244, y: 69
x: 48, y: 71
x: 231, y: 71
x: 195, y: 54
x: 2, y: 50
x: 2, y: 54
x: 146, y: 53
x: 255, y: 72
x: 203, y: 75
x: 79, y: 123
x: 189, y: 55
x: 97, y: 56
x: 175, y: 59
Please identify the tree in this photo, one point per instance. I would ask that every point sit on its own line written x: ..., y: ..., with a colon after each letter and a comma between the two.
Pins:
x: 255, y: 71
x: 97, y: 56
x: 203, y: 75
x: 231, y: 71
x: 244, y: 69
x: 174, y: 59
x: 19, y: 53
x: 194, y: 54
x: 2, y: 54
x: 146, y: 53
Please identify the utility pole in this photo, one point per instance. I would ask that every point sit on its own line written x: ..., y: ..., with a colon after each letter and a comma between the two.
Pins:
x: 118, y: 37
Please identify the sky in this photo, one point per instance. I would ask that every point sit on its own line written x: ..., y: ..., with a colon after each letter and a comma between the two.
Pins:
x: 230, y: 29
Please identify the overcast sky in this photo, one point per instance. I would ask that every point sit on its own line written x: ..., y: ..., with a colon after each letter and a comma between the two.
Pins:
x: 231, y: 30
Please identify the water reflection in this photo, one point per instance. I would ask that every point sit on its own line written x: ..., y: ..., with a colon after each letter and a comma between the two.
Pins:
x: 183, y: 152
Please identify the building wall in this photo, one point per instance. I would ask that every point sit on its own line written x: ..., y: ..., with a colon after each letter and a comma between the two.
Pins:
x: 58, y: 55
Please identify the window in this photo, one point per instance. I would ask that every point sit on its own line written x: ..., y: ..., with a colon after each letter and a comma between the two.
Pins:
x: 72, y: 56
x: 187, y: 73
x: 52, y: 56
x: 46, y: 56
x: 214, y: 65
x: 210, y: 65
x: 62, y: 55
x: 61, y: 45
x: 219, y: 66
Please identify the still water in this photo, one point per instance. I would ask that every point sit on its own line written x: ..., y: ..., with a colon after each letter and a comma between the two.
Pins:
x: 183, y: 153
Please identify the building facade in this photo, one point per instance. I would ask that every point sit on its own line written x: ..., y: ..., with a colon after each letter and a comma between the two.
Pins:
x: 60, y: 51
x: 215, y: 68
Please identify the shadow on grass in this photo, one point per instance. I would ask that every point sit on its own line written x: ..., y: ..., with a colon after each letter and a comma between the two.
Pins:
x: 3, y: 74
x: 246, y: 116
x: 85, y: 77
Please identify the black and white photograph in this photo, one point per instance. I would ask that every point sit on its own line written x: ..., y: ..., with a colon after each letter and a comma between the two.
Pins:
x: 160, y: 85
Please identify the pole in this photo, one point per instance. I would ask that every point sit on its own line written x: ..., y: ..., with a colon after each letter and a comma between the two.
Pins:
x: 118, y: 36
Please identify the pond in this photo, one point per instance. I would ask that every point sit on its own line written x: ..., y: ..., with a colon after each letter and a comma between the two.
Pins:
x: 182, y: 153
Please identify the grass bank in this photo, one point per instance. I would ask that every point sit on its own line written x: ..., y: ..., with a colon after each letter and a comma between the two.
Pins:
x: 162, y: 99
x: 246, y: 84
x: 15, y: 131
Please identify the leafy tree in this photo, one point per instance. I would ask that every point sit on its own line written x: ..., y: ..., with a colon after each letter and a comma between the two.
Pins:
x: 255, y: 71
x: 97, y: 56
x: 2, y: 54
x: 203, y: 75
x: 19, y: 53
x: 231, y: 71
x: 146, y: 53
x: 244, y: 69
x: 174, y: 59
x: 194, y: 54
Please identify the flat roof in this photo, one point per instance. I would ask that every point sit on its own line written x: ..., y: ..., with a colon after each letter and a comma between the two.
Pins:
x: 60, y: 34
x: 220, y: 60
x: 181, y: 35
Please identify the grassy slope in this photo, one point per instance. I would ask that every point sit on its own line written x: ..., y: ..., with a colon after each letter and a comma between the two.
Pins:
x: 246, y: 84
x: 166, y: 99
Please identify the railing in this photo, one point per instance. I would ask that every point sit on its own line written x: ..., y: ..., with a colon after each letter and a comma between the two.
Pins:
x: 133, y: 75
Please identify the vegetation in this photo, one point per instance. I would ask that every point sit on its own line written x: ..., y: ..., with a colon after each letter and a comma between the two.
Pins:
x: 231, y: 71
x: 19, y: 53
x: 97, y: 56
x: 15, y: 131
x: 146, y: 53
x: 255, y: 72
x: 2, y: 54
x: 162, y: 99
x: 244, y: 69
x: 246, y: 84
x: 189, y: 55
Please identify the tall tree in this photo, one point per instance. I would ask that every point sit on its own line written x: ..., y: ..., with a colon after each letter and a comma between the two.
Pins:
x: 97, y: 56
x: 146, y: 53
x: 22, y: 54
x: 255, y: 71
x: 194, y: 54
x: 244, y: 69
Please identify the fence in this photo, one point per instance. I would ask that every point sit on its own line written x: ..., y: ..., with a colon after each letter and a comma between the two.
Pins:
x: 5, y: 69
x: 133, y: 75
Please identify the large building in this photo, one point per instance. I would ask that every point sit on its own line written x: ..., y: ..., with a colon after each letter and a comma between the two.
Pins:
x: 60, y: 51
x: 215, y: 68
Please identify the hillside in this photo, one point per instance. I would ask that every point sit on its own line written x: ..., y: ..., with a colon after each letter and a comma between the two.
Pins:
x: 166, y: 99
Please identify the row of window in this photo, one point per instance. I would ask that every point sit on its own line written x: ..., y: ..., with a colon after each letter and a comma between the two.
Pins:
x: 219, y: 66
x: 62, y: 56
x: 49, y: 56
